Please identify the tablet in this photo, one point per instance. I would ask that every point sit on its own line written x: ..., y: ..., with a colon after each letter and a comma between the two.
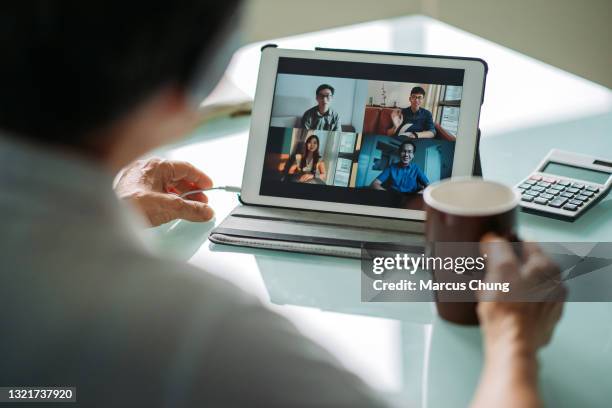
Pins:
x: 359, y: 132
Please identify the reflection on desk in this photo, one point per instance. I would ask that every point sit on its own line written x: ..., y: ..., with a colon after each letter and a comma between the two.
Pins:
x: 404, y: 350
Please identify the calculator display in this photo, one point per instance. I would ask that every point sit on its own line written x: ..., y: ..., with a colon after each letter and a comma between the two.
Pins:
x: 580, y: 173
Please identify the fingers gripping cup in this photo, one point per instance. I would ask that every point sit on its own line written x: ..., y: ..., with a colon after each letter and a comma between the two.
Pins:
x: 459, y: 213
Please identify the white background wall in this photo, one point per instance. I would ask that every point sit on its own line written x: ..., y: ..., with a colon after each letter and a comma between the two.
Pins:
x: 572, y: 35
x: 296, y: 93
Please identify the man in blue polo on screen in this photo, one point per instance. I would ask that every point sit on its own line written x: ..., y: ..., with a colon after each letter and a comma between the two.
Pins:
x: 413, y: 121
x: 404, y: 176
x: 322, y: 117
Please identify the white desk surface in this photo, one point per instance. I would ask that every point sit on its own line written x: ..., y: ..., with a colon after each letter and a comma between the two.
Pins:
x: 405, y: 350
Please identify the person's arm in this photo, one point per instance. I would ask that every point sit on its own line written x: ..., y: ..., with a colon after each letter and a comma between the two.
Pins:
x: 510, y: 374
x: 321, y: 170
x: 429, y: 128
x: 153, y: 187
x: 397, y: 118
x: 377, y: 185
x: 306, y: 120
x: 294, y: 167
x: 514, y: 331
x: 426, y: 134
x: 264, y: 356
x: 381, y: 178
x: 422, y: 179
x: 337, y: 124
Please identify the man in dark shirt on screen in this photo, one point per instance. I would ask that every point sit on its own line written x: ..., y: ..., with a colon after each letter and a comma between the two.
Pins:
x: 322, y: 117
x: 405, y: 177
x: 413, y: 121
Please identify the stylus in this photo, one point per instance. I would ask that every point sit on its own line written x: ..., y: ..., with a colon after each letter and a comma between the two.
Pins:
x: 231, y: 189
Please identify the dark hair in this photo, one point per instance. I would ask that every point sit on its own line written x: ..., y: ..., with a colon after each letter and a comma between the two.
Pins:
x: 407, y: 143
x: 70, y: 68
x: 325, y: 86
x: 417, y: 90
x: 315, y: 155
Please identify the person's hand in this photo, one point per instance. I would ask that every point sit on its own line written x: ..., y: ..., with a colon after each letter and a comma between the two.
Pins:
x: 306, y: 177
x: 397, y: 118
x: 153, y: 186
x: 528, y: 325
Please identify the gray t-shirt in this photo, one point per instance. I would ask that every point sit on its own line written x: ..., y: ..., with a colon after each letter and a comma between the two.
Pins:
x: 84, y: 304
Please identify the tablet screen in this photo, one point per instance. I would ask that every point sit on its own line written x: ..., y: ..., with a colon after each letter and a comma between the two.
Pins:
x: 360, y: 133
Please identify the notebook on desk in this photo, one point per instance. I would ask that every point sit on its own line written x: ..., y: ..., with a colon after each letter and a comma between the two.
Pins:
x: 314, y: 188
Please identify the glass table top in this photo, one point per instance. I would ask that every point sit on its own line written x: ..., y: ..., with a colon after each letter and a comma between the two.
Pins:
x: 403, y: 349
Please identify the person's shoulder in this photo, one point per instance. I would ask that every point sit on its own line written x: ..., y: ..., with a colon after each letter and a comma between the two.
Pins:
x: 310, y: 111
x: 388, y: 168
x: 176, y: 282
x: 426, y: 112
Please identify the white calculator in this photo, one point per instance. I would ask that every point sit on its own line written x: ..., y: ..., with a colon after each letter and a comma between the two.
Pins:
x: 565, y: 185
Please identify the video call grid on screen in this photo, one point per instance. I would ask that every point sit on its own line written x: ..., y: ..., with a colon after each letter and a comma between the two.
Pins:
x: 350, y: 153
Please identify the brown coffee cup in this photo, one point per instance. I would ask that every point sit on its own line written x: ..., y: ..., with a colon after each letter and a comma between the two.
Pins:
x: 459, y: 212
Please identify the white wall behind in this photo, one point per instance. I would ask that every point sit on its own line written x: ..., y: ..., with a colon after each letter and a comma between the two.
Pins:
x: 572, y: 35
x: 296, y: 93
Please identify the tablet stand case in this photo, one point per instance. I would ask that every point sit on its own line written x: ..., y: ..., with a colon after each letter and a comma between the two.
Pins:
x: 317, y: 232
x: 312, y: 231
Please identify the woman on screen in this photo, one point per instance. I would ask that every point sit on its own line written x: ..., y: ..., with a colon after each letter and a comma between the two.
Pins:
x: 308, y: 166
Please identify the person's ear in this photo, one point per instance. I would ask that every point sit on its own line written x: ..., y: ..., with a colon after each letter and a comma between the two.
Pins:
x: 162, y: 118
x: 173, y: 100
x: 169, y: 115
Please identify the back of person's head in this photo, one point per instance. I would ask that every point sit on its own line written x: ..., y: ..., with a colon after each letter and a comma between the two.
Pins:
x: 70, y: 68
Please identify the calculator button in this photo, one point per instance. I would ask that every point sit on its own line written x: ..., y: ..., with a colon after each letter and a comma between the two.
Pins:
x: 572, y: 190
x: 570, y: 207
x: 575, y: 202
x: 537, y: 188
x: 557, y: 202
x: 525, y: 186
x: 552, y: 191
x: 540, y: 200
x: 563, y: 183
x: 549, y: 179
x: 527, y: 197
x: 536, y: 177
x: 530, y: 181
x: 591, y: 188
x: 546, y: 196
x: 581, y: 198
x: 543, y: 184
x: 587, y: 193
x: 577, y: 185
x: 532, y: 193
x: 566, y: 194
x: 557, y: 187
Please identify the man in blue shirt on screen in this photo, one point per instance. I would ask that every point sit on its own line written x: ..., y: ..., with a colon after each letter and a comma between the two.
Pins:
x: 405, y: 177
